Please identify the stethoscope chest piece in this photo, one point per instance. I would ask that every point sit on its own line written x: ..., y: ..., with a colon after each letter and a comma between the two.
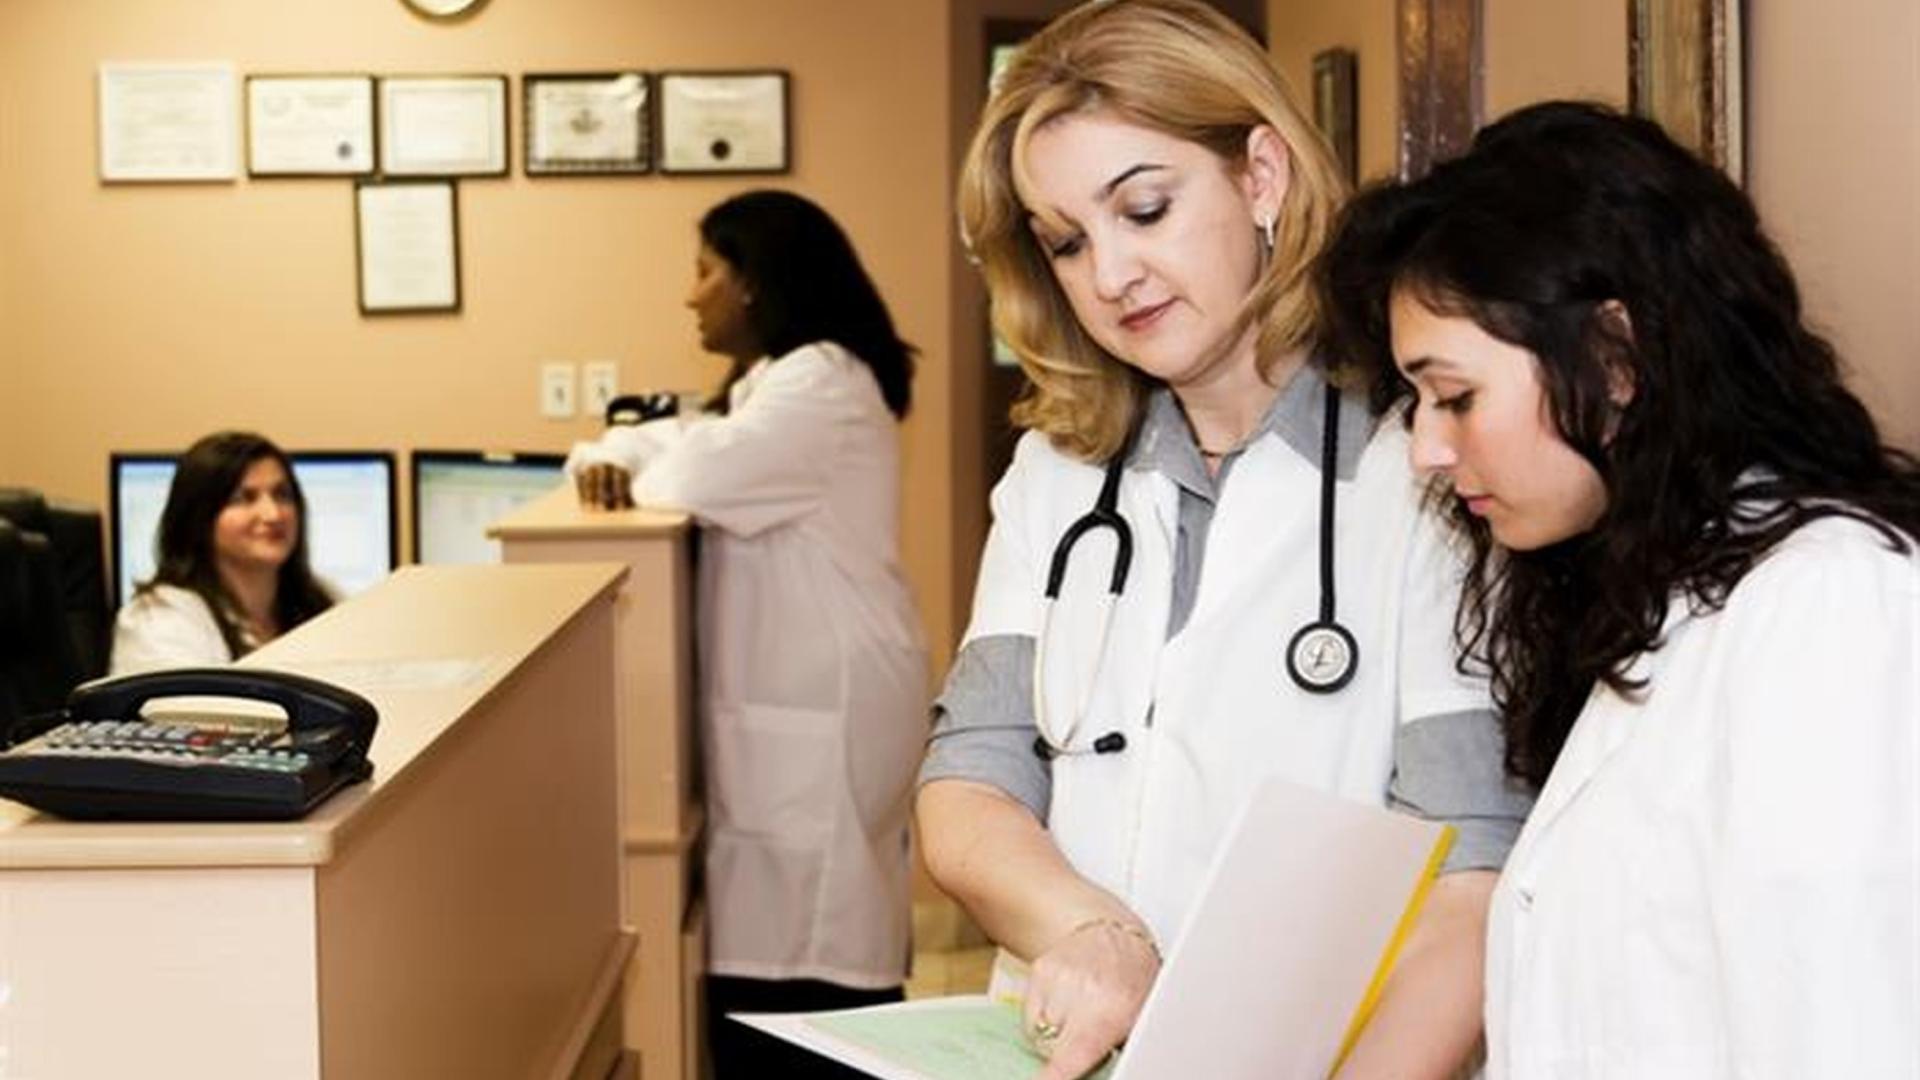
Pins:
x: 1322, y: 657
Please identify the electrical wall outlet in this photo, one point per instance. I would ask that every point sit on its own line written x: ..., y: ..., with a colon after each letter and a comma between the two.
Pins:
x: 557, y: 393
x: 599, y: 385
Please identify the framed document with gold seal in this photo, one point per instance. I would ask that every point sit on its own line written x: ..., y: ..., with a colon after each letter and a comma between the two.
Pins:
x: 724, y: 122
x: 587, y: 124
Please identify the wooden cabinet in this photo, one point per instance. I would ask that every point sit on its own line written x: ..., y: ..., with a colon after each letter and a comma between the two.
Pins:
x: 660, y: 807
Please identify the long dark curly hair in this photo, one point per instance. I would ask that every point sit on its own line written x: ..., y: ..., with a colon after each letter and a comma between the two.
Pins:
x: 1738, y: 429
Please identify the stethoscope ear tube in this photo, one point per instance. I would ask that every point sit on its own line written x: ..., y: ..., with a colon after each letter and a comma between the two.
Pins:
x: 1104, y: 515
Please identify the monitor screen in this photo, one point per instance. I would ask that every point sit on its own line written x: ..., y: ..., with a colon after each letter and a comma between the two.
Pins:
x: 458, y: 493
x: 351, y: 537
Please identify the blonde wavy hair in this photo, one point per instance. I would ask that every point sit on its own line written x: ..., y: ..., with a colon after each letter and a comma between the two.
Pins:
x: 1178, y: 67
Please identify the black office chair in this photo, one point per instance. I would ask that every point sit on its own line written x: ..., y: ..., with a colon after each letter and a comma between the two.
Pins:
x: 38, y: 665
x: 78, y: 554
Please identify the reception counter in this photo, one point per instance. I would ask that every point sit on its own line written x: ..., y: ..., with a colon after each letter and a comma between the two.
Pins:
x: 456, y: 916
x: 660, y: 808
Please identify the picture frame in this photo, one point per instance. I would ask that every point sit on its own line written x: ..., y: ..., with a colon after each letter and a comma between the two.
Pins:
x: 1335, y: 83
x: 586, y: 124
x: 724, y: 122
x: 1439, y: 46
x: 443, y: 125
x: 310, y: 125
x: 168, y: 122
x: 1686, y: 72
x: 407, y: 246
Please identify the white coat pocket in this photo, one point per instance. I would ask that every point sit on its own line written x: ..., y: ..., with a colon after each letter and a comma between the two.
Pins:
x: 775, y: 771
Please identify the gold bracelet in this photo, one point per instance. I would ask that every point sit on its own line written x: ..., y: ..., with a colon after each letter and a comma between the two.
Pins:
x: 1133, y: 930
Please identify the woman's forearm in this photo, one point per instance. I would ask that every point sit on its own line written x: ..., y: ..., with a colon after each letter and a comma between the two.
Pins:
x: 987, y: 851
x: 1428, y: 1020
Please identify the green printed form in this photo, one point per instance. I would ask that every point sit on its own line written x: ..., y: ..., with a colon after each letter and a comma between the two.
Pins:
x: 974, y: 1040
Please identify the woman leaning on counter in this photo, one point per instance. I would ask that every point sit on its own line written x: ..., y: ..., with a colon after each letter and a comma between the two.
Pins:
x: 813, y: 669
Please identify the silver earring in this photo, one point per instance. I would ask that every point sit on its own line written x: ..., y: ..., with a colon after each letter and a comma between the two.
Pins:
x: 1266, y: 232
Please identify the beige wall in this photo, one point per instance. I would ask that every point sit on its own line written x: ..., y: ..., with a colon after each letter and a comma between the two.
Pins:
x: 1531, y: 49
x: 1834, y: 159
x: 144, y: 316
x: 1833, y: 150
x: 1297, y: 29
x: 1536, y: 50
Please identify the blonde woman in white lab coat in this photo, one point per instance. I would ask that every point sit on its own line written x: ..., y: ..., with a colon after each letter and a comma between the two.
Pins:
x: 813, y: 667
x: 1697, y: 591
x: 1144, y: 197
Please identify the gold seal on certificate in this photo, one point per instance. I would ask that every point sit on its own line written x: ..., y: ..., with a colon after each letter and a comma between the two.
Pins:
x: 586, y: 123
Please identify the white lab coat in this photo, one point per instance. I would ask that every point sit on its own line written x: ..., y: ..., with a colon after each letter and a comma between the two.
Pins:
x: 1145, y: 823
x: 812, y: 661
x: 166, y: 627
x: 1723, y: 880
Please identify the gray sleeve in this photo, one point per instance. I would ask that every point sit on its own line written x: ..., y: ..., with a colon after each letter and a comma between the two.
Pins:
x: 983, y: 727
x: 1450, y: 767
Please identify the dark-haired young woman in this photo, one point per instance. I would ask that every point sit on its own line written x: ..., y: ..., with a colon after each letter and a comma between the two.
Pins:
x: 232, y: 554
x: 814, y: 670
x: 1695, y: 585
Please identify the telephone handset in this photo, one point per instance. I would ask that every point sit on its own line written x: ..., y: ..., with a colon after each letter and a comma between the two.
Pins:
x: 107, y: 761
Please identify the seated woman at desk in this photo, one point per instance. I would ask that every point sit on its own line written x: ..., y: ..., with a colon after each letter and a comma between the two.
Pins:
x: 232, y: 554
x: 1695, y: 583
x: 810, y: 649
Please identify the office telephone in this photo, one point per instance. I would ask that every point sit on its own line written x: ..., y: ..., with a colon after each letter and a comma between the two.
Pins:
x: 105, y: 761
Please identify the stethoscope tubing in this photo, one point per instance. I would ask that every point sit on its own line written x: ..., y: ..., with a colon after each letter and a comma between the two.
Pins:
x: 1105, y: 514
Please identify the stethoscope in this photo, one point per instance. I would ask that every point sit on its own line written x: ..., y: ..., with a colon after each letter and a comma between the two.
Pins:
x: 1321, y: 657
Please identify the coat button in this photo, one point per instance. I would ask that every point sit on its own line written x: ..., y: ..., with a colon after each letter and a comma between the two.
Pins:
x: 1523, y: 897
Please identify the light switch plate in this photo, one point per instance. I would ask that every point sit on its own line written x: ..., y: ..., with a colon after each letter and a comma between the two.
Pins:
x: 557, y: 391
x: 599, y: 385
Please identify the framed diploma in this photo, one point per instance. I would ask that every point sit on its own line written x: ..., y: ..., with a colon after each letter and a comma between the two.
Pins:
x: 1686, y: 72
x: 586, y: 124
x: 309, y: 125
x: 168, y: 122
x: 1335, y: 77
x: 735, y: 122
x: 407, y: 236
x: 443, y: 125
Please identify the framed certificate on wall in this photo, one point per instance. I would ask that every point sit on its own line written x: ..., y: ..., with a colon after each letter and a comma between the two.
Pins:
x: 724, y: 122
x: 584, y: 124
x: 407, y: 236
x: 443, y: 125
x: 165, y: 121
x: 309, y: 125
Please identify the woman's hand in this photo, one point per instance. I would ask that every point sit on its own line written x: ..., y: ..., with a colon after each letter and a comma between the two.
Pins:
x: 608, y: 487
x: 1085, y: 992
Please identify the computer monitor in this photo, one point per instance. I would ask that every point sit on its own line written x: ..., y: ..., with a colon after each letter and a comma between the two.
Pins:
x: 457, y: 494
x: 351, y: 537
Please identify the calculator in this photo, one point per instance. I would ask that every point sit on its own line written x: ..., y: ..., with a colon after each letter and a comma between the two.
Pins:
x: 105, y: 761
